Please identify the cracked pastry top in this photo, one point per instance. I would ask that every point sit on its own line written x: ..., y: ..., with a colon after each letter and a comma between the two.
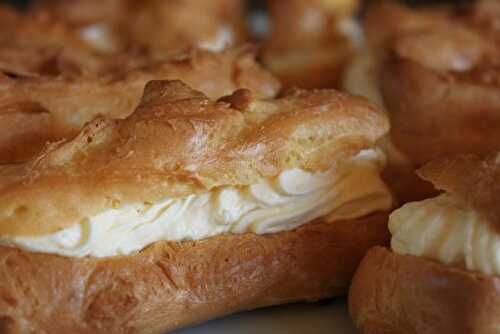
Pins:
x: 185, y: 167
x: 36, y: 110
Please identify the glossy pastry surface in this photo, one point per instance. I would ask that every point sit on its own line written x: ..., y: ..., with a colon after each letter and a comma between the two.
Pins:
x: 203, y: 145
x: 158, y: 219
x: 36, y: 110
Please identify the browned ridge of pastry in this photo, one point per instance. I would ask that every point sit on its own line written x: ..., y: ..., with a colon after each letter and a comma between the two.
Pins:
x: 393, y: 294
x: 439, y: 79
x: 36, y: 110
x: 174, y: 284
x: 179, y: 142
x: 306, y: 48
x: 158, y: 25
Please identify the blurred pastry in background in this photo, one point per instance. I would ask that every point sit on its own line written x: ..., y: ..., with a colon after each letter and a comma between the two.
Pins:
x: 441, y: 274
x: 191, y: 209
x: 435, y: 71
x: 95, y: 21
x: 36, y: 110
x: 37, y: 45
x: 158, y: 26
x: 165, y: 26
x: 310, y: 40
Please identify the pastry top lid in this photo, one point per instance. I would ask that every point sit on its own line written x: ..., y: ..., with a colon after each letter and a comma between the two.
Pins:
x: 471, y: 179
x: 179, y: 142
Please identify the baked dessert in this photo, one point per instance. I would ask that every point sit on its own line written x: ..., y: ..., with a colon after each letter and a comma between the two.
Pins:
x: 161, y: 25
x: 157, y: 25
x: 441, y: 273
x: 190, y: 209
x: 75, y: 38
x: 310, y: 40
x: 436, y: 74
x: 36, y: 110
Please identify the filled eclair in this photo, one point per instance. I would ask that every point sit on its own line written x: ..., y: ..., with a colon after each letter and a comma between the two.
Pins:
x: 189, y: 209
x: 441, y: 273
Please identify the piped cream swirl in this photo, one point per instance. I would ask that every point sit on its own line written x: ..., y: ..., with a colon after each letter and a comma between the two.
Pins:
x: 351, y: 189
x: 445, y: 230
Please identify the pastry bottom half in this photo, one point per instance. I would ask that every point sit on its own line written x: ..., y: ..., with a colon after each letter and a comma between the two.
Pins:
x: 174, y: 284
x: 393, y: 293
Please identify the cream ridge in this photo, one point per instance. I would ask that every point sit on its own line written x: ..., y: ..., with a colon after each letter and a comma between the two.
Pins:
x: 351, y: 189
x: 445, y: 230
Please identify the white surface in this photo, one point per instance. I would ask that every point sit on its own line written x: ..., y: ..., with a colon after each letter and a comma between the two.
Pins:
x: 321, y: 318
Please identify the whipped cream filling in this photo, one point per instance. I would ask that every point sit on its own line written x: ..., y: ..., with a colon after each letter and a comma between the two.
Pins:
x: 223, y: 38
x: 445, y: 230
x: 351, y: 189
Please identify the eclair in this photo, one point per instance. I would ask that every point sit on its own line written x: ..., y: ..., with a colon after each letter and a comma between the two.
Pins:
x: 157, y: 25
x: 435, y: 72
x: 441, y: 273
x: 310, y: 40
x: 36, y: 110
x: 190, y: 209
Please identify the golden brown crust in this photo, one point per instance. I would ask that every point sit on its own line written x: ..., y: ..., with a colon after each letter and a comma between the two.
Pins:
x: 179, y: 142
x: 393, y: 294
x: 434, y: 114
x: 474, y: 180
x: 67, y: 104
x: 308, y: 53
x: 440, y: 81
x: 170, y: 285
